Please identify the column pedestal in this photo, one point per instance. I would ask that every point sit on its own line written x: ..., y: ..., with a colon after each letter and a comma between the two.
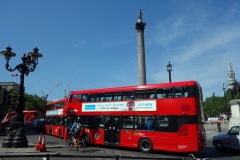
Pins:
x: 235, y: 110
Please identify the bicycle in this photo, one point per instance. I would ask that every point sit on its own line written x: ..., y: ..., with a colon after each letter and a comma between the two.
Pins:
x: 70, y: 143
x: 192, y: 157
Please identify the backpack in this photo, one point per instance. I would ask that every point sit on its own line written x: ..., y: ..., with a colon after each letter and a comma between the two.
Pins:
x: 79, y: 126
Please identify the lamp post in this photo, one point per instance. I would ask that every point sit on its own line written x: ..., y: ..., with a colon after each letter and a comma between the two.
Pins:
x: 16, y: 137
x: 225, y: 104
x: 169, y: 69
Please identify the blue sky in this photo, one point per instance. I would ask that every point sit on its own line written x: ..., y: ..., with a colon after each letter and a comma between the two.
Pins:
x: 93, y: 44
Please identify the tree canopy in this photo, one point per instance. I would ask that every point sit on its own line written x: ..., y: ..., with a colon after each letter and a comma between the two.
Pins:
x: 33, y: 102
x: 214, y: 105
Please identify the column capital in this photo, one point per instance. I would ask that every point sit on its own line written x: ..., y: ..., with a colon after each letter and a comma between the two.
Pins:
x: 140, y: 26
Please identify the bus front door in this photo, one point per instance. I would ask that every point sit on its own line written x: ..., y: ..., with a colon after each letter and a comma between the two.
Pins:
x: 112, y: 130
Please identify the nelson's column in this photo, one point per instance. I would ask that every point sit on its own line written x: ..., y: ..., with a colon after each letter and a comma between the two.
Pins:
x: 139, y: 26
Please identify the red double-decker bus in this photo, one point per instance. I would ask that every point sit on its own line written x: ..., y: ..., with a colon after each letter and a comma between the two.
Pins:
x: 54, y: 118
x: 166, y: 116
x: 28, y: 115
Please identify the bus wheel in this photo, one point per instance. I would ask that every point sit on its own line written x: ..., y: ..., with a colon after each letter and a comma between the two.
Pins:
x: 86, y: 139
x: 145, y: 145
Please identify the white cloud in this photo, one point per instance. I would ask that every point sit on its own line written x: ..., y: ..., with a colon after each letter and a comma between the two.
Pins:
x: 198, y: 45
x: 80, y: 43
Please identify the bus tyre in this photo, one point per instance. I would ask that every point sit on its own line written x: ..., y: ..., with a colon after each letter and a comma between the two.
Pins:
x: 86, y: 139
x: 145, y: 145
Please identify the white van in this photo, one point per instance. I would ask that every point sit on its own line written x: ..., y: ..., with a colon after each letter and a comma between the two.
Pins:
x: 212, y: 119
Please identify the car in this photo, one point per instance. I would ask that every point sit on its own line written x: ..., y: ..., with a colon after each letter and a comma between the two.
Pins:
x: 230, y: 140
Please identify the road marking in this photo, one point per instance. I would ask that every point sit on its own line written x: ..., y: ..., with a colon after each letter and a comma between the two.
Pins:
x: 117, y: 152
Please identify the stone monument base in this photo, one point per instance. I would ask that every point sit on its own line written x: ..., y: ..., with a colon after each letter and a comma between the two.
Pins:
x: 235, y: 110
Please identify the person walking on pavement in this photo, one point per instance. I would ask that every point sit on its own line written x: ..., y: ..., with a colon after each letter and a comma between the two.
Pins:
x: 219, y: 125
x: 75, y: 130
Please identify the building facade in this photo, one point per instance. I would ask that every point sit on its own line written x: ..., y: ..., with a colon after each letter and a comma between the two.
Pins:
x: 9, y: 85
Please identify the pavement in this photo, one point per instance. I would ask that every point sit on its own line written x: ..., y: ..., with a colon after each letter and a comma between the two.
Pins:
x: 211, y: 130
x: 30, y: 150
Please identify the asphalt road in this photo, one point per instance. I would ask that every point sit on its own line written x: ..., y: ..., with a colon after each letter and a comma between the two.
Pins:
x: 56, y: 145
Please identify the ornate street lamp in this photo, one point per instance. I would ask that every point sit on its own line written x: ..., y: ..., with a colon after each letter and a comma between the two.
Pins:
x: 169, y: 69
x: 16, y: 137
x: 225, y: 105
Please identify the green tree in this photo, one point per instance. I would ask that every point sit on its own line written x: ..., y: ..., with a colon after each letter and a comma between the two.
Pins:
x: 214, y: 105
x: 33, y: 102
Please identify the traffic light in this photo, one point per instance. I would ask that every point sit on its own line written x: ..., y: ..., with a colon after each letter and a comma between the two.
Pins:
x: 5, y: 93
x: 1, y: 92
x: 12, y: 100
x: 3, y: 96
x: 9, y: 97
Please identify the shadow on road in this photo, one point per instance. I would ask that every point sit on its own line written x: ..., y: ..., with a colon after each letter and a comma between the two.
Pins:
x: 91, y: 150
x: 211, y: 152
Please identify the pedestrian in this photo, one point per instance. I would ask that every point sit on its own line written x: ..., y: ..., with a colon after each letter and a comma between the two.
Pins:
x: 219, y: 125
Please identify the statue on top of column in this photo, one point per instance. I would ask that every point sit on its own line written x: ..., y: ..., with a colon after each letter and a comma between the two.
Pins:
x: 140, y: 14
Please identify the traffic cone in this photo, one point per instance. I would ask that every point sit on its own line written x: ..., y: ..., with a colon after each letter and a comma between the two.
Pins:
x: 39, y: 143
x: 43, y: 147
